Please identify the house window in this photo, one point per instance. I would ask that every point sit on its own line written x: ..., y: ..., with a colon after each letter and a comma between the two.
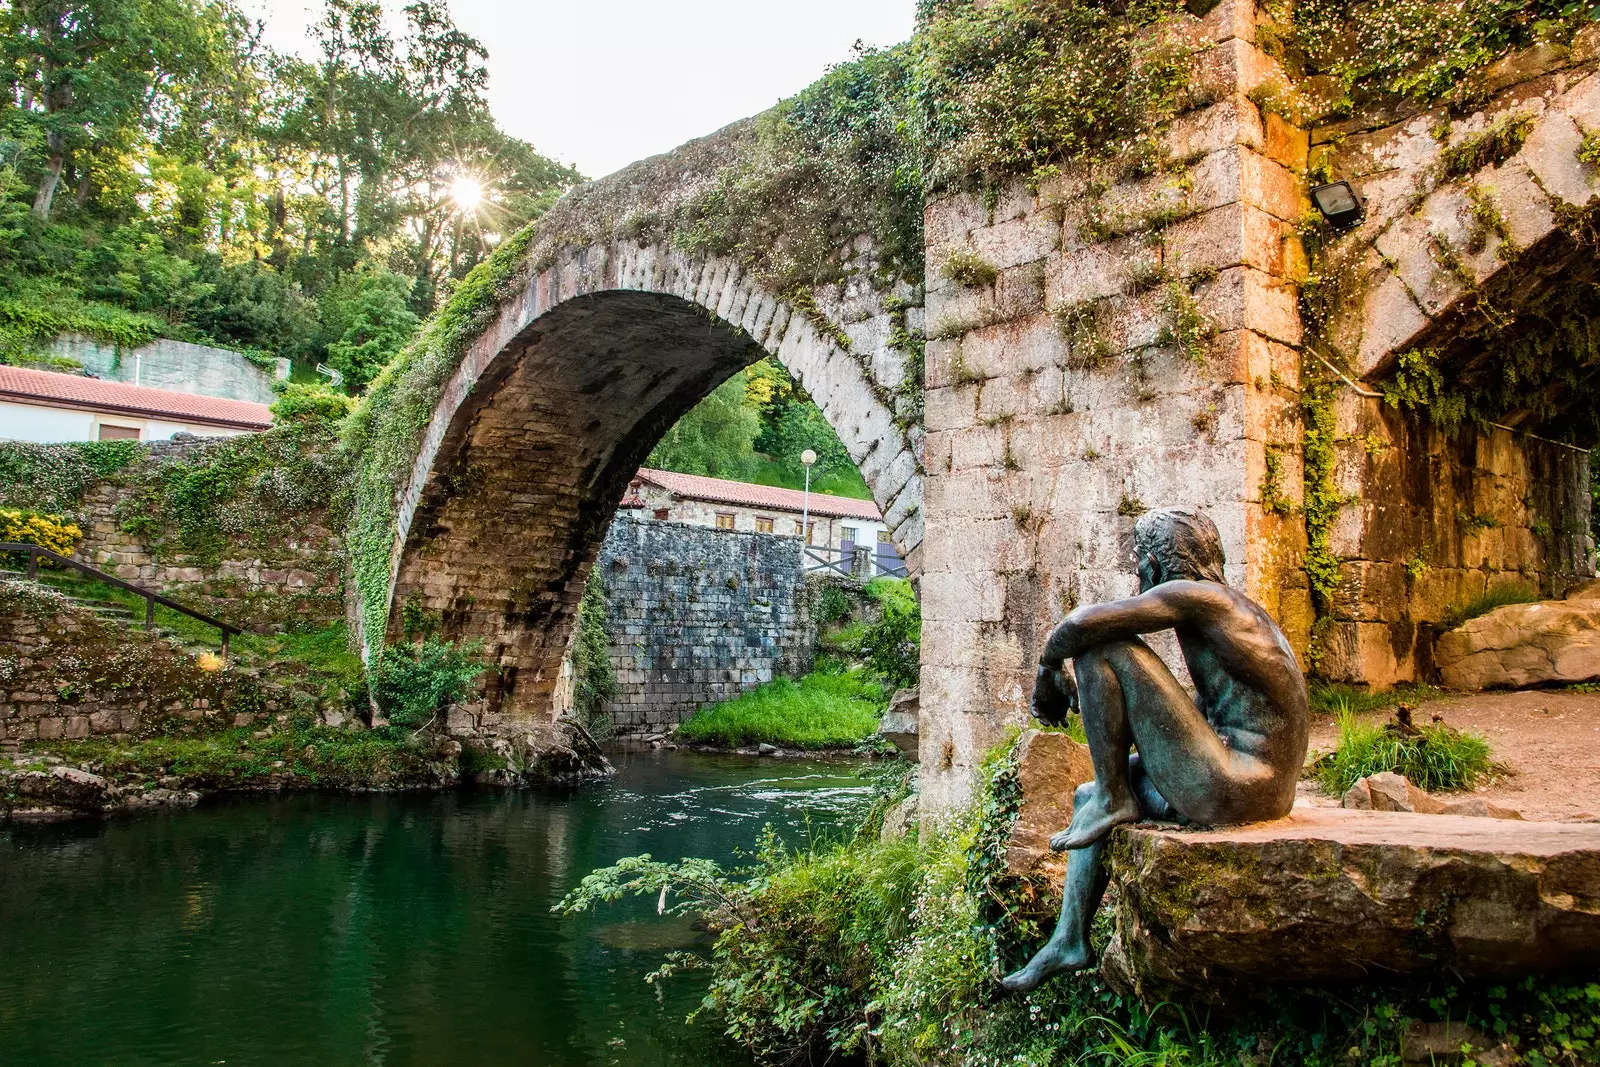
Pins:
x: 661, y: 514
x: 109, y: 432
x: 805, y: 531
x: 848, y: 535
x: 884, y: 537
x: 763, y: 525
x: 724, y: 520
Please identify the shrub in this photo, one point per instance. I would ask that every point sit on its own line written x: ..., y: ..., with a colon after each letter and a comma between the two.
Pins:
x: 412, y: 683
x: 54, y: 532
x: 311, y: 402
x: 887, y: 951
x: 370, y: 310
x: 802, y: 934
x: 965, y: 267
x: 832, y: 606
x: 892, y: 647
x: 1435, y: 757
x: 596, y: 679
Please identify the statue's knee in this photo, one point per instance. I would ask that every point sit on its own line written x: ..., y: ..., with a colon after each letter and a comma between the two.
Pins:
x: 1112, y: 652
x: 1082, y: 794
x: 1097, y: 658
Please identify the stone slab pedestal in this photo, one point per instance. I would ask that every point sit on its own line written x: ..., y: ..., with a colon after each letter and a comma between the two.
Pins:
x: 1050, y: 767
x: 1331, y: 895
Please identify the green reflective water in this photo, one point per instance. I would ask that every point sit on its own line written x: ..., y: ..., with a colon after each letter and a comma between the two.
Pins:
x: 377, y: 930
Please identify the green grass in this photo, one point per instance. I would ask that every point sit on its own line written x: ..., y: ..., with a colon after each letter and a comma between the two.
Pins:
x: 1329, y: 698
x: 317, y: 756
x: 188, y: 630
x: 1494, y: 597
x: 1436, y: 757
x: 821, y: 710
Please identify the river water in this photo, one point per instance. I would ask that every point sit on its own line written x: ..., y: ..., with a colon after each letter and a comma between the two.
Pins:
x: 380, y: 929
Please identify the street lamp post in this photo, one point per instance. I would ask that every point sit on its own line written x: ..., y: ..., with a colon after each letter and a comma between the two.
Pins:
x: 808, y: 459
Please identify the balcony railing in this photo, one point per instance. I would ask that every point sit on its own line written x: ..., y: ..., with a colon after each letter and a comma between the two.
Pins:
x: 861, y: 562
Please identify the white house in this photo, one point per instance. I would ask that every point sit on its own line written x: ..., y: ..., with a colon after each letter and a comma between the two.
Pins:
x: 48, y: 407
x: 839, y: 525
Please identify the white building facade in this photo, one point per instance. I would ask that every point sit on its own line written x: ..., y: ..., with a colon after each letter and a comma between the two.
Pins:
x: 52, y: 408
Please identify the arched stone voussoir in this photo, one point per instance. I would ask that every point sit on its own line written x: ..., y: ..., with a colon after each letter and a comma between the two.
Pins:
x: 552, y: 409
x: 1471, y: 234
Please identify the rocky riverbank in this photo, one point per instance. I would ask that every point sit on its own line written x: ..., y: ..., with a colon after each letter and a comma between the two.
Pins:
x: 97, y: 777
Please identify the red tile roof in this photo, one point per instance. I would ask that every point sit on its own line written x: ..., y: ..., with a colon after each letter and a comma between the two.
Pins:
x: 71, y: 390
x: 719, y: 491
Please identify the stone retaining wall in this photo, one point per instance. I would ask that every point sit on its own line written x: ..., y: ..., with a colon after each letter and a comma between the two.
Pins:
x: 271, y: 570
x: 67, y: 673
x: 176, y: 365
x: 698, y: 615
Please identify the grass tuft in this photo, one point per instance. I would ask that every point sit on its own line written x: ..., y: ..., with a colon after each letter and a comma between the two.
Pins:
x: 1494, y: 597
x: 821, y: 710
x: 1435, y: 757
x: 1331, y: 698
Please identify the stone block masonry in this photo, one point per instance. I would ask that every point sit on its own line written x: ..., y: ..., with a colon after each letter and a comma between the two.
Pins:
x: 1061, y: 402
x: 266, y: 554
x: 67, y: 673
x: 698, y: 615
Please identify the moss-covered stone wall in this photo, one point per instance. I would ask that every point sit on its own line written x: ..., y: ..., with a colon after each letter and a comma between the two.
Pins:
x: 247, y: 528
x: 67, y: 673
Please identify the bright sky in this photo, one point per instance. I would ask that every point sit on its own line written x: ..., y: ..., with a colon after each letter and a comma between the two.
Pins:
x: 601, y: 83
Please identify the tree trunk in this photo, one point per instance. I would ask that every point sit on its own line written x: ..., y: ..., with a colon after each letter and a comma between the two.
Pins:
x: 47, y: 186
x: 80, y: 195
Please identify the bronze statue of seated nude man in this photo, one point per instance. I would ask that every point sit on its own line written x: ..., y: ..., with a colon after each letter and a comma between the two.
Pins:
x: 1230, y: 755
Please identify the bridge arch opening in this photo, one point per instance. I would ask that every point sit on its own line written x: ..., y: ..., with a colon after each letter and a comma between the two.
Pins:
x: 540, y: 450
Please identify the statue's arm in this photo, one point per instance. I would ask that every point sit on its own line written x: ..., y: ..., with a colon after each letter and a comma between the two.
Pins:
x: 1162, y: 608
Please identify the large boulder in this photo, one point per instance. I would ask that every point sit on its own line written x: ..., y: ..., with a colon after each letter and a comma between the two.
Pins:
x: 899, y: 723
x: 1388, y: 791
x: 67, y: 788
x: 1554, y: 642
x: 1050, y: 768
x: 1331, y: 894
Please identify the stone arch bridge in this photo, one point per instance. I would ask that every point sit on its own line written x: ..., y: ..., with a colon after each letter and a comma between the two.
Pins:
x: 600, y: 344
x: 1014, y: 499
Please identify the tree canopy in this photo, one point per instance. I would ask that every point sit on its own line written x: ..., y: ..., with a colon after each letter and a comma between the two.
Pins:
x: 162, y: 172
x: 752, y: 428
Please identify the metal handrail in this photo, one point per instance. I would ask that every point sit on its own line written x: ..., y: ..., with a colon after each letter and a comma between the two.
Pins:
x: 835, y: 559
x: 151, y: 599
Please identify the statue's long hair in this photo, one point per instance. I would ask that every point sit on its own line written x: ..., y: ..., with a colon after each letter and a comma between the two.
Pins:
x: 1183, y: 542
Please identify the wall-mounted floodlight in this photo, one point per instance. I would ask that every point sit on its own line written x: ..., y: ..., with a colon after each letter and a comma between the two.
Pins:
x: 1339, y: 203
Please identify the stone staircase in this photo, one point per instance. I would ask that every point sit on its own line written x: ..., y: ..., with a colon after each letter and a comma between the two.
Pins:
x: 110, y: 610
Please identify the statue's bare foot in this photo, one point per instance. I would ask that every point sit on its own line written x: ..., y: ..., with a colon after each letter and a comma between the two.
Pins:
x: 1050, y: 960
x: 1094, y: 819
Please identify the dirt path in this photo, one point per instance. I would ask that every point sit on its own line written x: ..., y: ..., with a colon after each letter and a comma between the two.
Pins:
x: 1549, y: 741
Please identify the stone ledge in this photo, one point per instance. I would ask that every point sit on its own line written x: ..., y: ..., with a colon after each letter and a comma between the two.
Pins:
x: 1330, y: 895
